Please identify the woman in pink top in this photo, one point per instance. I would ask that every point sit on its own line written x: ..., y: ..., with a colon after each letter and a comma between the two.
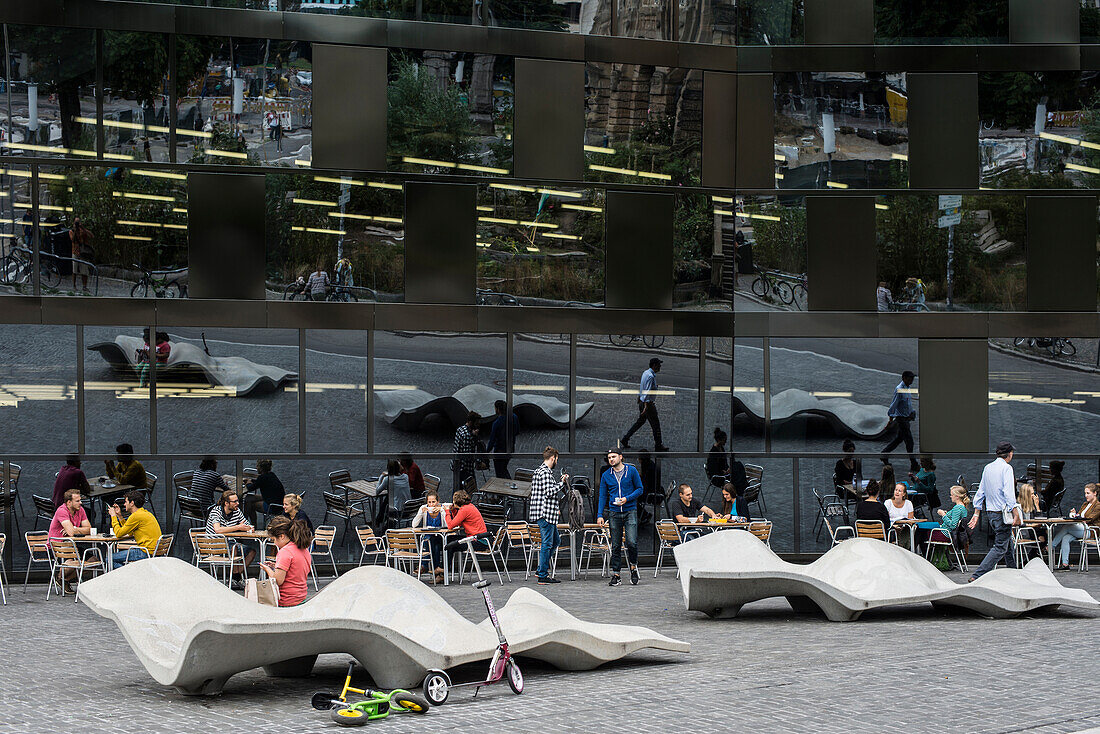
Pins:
x: 460, y: 513
x: 292, y: 562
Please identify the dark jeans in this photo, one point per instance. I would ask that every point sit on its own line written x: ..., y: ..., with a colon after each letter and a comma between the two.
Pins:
x: 1002, y: 545
x: 647, y: 412
x: 621, y: 521
x: 500, y: 465
x: 435, y: 547
x: 550, y: 542
x: 458, y: 546
x: 905, y: 433
x: 122, y: 557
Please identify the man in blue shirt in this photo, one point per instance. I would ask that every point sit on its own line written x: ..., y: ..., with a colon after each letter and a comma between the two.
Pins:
x: 997, y: 496
x: 901, y: 414
x: 502, y: 437
x: 647, y: 407
x: 620, y: 488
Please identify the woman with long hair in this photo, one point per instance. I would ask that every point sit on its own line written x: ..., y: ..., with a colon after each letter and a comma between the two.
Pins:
x: 291, y: 567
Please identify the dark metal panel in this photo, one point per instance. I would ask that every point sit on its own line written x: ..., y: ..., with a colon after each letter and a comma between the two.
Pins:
x: 719, y: 129
x: 537, y: 44
x: 613, y: 49
x: 1061, y: 253
x: 1090, y: 57
x: 755, y: 132
x: 638, y: 254
x: 1011, y: 325
x: 631, y: 321
x: 702, y: 323
x: 953, y: 325
x: 226, y: 235
x: 223, y: 313
x: 526, y: 319
x: 754, y: 58
x: 437, y: 36
x: 47, y: 12
x: 925, y: 58
x: 1029, y: 58
x: 199, y: 21
x: 440, y: 227
x: 97, y: 311
x: 823, y: 58
x: 417, y: 317
x: 707, y: 56
x: 846, y: 22
x: 349, y: 107
x: 318, y: 315
x: 751, y: 323
x: 549, y: 119
x: 1044, y: 21
x: 841, y: 261
x: 144, y: 17
x: 953, y: 403
x: 335, y: 29
x: 21, y: 309
x: 792, y: 324
x: 943, y: 148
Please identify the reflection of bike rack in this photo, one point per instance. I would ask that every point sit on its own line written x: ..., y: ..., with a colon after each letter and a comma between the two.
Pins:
x: 48, y: 257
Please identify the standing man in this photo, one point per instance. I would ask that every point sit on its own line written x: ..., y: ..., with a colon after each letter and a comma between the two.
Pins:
x: 545, y: 510
x: 465, y: 449
x: 901, y: 414
x: 647, y: 407
x: 997, y: 495
x: 502, y: 437
x: 620, y: 488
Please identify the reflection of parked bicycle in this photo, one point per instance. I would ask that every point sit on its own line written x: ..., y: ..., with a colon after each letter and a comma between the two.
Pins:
x: 341, y: 293
x: 17, y: 268
x: 653, y: 341
x: 1058, y: 346
x: 486, y: 297
x: 785, y: 288
x: 160, y: 282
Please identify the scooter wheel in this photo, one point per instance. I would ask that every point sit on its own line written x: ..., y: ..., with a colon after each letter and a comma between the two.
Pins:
x: 349, y: 716
x: 515, y: 677
x: 411, y: 702
x: 436, y: 688
x: 323, y: 701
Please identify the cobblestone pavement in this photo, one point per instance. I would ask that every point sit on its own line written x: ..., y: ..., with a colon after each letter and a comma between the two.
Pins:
x: 898, y: 670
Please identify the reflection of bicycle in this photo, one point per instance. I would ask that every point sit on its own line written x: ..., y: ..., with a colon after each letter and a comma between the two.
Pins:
x: 17, y: 268
x: 653, y: 341
x: 341, y: 293
x: 295, y: 291
x: 912, y: 297
x: 771, y: 282
x: 164, y: 286
x: 486, y: 297
x: 1058, y: 347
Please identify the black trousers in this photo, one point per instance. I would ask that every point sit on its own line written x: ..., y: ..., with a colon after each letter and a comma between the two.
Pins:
x: 647, y: 412
x: 500, y: 465
x: 905, y: 433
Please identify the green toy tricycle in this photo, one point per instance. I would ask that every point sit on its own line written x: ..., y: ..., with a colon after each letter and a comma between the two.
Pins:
x: 378, y: 704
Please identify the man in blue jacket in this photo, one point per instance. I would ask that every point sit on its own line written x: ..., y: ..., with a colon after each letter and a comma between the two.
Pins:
x: 620, y: 488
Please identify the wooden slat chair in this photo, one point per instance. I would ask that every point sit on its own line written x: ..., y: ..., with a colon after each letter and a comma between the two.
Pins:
x: 7, y: 505
x: 3, y: 569
x: 67, y: 557
x: 38, y: 550
x: 494, y: 551
x: 214, y: 552
x: 404, y: 550
x: 596, y: 540
x: 324, y: 537
x: 164, y: 545
x: 763, y: 530
x: 495, y: 516
x: 1024, y: 537
x: 190, y: 509
x: 533, y: 557
x: 10, y: 482
x: 755, y: 474
x: 336, y: 478
x: 669, y: 536
x: 431, y: 483
x: 1091, y: 540
x: 519, y: 536
x: 44, y: 510
x: 838, y: 532
x: 181, y: 482
x: 371, y: 544
x: 338, y: 506
x: 941, y: 538
x: 870, y: 529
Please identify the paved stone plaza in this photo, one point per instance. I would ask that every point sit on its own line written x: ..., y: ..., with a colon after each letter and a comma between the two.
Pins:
x: 898, y: 670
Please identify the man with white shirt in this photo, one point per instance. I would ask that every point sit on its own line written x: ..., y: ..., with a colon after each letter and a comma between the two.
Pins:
x: 647, y: 408
x: 997, y: 495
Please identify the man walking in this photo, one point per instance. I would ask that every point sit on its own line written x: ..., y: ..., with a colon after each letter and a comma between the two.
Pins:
x: 545, y: 510
x: 465, y: 449
x: 502, y: 437
x: 997, y: 495
x: 620, y: 488
x: 901, y: 414
x: 647, y: 408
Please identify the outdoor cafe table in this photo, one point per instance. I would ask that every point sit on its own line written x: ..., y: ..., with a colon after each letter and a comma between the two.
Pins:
x: 563, y: 527
x: 103, y: 491
x: 107, y: 541
x: 515, y: 488
x: 424, y: 534
x: 1050, y: 523
x: 358, y: 490
x: 260, y: 535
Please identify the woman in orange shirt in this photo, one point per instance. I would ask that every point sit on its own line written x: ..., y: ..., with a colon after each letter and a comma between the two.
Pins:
x: 460, y: 513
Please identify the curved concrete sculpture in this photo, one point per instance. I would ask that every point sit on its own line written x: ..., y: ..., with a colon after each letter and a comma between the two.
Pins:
x: 242, y: 375
x: 196, y: 634
x: 405, y: 410
x: 845, y: 416
x: 723, y: 571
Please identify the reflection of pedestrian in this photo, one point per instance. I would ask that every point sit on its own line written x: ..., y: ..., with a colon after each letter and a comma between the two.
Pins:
x: 502, y: 437
x: 465, y: 449
x: 997, y: 495
x: 901, y: 415
x: 278, y: 129
x: 647, y: 407
x: 317, y: 285
x: 81, y: 240
x: 883, y: 298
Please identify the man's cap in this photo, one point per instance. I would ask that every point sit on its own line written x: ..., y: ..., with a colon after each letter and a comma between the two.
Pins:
x: 654, y: 362
x: 908, y: 374
x: 615, y: 450
x: 1004, y: 448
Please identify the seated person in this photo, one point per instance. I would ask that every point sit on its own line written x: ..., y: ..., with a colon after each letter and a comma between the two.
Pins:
x: 718, y: 465
x: 872, y: 509
x: 686, y: 509
x: 70, y: 477
x: 960, y: 509
x: 207, y: 481
x: 925, y: 481
x: 459, y: 513
x: 291, y: 567
x: 394, y: 485
x: 226, y: 517
x: 849, y: 470
x: 292, y: 508
x: 265, y: 492
x: 140, y: 524
x: 738, y: 478
x: 734, y: 505
x: 70, y: 520
x: 1090, y: 514
x: 900, y: 508
x: 1055, y: 486
x: 412, y: 471
x: 127, y: 469
x: 430, y: 515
